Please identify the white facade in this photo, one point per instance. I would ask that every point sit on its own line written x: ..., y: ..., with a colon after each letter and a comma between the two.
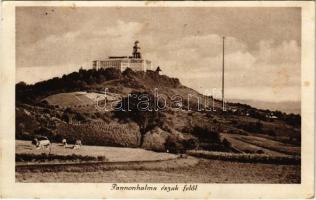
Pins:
x: 135, y: 64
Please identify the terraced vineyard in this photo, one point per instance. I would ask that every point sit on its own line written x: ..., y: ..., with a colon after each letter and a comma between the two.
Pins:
x: 254, y: 144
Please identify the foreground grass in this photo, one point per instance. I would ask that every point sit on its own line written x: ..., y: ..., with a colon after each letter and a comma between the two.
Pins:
x: 206, y: 171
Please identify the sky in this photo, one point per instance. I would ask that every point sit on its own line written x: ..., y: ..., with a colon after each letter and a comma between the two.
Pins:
x: 262, y: 45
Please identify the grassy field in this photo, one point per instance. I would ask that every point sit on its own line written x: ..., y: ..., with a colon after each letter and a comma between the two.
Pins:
x: 82, y: 101
x: 110, y: 153
x: 69, y: 99
x: 207, y: 171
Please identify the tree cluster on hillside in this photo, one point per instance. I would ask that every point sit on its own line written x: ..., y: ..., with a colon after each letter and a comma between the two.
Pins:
x: 71, y: 82
x: 140, y: 107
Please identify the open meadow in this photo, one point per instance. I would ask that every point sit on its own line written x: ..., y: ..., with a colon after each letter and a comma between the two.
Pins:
x: 139, y: 165
x: 112, y: 154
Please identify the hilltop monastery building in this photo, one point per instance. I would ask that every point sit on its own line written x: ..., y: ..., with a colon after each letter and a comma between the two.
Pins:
x: 135, y: 62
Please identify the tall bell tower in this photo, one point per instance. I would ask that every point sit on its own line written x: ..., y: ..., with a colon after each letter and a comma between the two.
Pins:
x: 136, y: 50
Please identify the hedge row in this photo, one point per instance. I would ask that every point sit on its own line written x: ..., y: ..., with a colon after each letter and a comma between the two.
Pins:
x: 50, y: 157
x: 246, y: 157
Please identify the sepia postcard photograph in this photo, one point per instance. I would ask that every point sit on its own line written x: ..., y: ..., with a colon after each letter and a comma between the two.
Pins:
x: 157, y: 99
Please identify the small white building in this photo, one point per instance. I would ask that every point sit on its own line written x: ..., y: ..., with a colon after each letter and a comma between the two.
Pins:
x: 135, y: 62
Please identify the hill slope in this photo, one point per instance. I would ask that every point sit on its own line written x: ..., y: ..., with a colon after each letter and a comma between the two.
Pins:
x: 69, y: 107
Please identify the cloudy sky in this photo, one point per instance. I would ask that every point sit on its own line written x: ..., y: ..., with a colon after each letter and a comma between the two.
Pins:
x: 262, y: 45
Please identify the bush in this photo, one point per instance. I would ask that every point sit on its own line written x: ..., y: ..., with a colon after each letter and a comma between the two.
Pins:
x: 173, y: 145
x: 205, y: 134
x: 226, y: 143
x: 271, y: 133
x: 293, y: 120
x: 253, y: 127
x: 25, y: 123
x: 155, y: 139
x: 44, y: 132
x: 190, y: 143
x: 25, y: 136
x: 260, y: 151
